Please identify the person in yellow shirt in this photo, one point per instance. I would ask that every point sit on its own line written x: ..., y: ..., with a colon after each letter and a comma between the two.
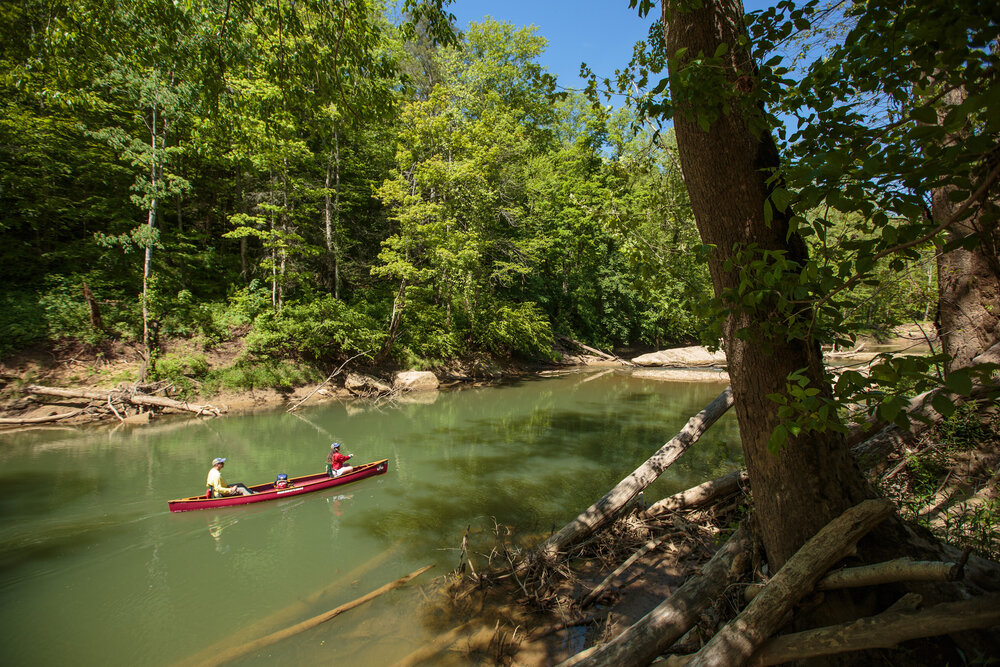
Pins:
x: 218, y: 486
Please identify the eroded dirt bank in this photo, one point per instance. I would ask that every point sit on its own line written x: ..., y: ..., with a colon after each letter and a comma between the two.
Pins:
x: 115, y: 367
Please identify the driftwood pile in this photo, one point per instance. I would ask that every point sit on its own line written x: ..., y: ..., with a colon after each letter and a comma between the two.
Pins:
x: 685, y: 628
x: 749, y: 637
x: 124, y: 403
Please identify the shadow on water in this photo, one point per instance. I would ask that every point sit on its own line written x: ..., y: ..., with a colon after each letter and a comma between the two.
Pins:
x: 537, y: 471
x: 32, y: 496
x: 30, y: 547
x: 34, y: 493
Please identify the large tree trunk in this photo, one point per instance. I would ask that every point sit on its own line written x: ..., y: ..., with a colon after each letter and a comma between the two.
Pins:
x: 968, y: 279
x: 813, y: 479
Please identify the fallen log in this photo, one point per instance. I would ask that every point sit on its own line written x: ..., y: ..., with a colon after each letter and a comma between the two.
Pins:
x: 900, y: 569
x: 885, y: 630
x: 659, y: 629
x: 296, y: 609
x: 737, y: 641
x: 577, y: 659
x: 135, y: 399
x: 696, y: 496
x: 250, y: 647
x: 833, y: 354
x: 16, y: 421
x: 587, y: 348
x: 605, y: 509
x: 441, y: 643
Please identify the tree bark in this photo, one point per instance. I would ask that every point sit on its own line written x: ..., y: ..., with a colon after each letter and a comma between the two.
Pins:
x: 147, y: 263
x: 900, y: 569
x: 726, y: 168
x: 968, y: 279
x: 617, y: 498
x: 94, y: 308
x: 886, y: 630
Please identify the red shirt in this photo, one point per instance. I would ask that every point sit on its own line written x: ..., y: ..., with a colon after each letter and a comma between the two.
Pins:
x: 336, y: 460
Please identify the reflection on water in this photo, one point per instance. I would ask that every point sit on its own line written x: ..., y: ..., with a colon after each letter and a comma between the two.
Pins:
x: 93, y: 568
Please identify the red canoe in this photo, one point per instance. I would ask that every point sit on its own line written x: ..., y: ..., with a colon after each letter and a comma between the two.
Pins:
x: 297, y: 486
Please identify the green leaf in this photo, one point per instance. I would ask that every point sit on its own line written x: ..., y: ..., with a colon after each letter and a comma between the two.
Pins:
x: 778, y: 439
x: 924, y: 115
x: 781, y: 198
x: 943, y: 404
x: 959, y: 382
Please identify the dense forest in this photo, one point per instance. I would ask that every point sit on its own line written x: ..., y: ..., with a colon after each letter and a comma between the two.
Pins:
x: 323, y: 179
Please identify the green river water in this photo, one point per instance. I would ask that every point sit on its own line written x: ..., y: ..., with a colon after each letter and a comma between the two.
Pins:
x: 94, y: 570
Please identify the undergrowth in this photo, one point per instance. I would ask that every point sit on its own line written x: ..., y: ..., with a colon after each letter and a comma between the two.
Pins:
x: 191, y: 375
x: 950, y: 483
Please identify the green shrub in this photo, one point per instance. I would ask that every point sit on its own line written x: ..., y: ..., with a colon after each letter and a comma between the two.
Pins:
x: 58, y: 312
x: 323, y: 328
x: 246, y: 304
x: 965, y: 523
x: 67, y: 315
x: 269, y: 374
x: 966, y: 429
x: 176, y: 311
x: 22, y: 321
x: 426, y: 332
x: 183, y: 371
x: 521, y: 329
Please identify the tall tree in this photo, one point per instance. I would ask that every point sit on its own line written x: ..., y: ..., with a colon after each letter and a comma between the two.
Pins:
x: 457, y: 191
x: 730, y: 164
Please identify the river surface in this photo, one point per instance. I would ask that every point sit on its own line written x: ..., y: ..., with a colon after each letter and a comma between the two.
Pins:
x: 94, y: 570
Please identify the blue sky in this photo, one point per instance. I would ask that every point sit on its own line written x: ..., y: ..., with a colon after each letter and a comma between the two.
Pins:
x: 600, y: 33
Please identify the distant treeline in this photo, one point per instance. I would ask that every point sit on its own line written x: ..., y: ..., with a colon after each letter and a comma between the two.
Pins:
x: 324, y: 179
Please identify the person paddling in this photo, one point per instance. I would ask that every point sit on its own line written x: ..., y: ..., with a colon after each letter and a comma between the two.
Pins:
x: 335, y: 462
x: 217, y: 486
